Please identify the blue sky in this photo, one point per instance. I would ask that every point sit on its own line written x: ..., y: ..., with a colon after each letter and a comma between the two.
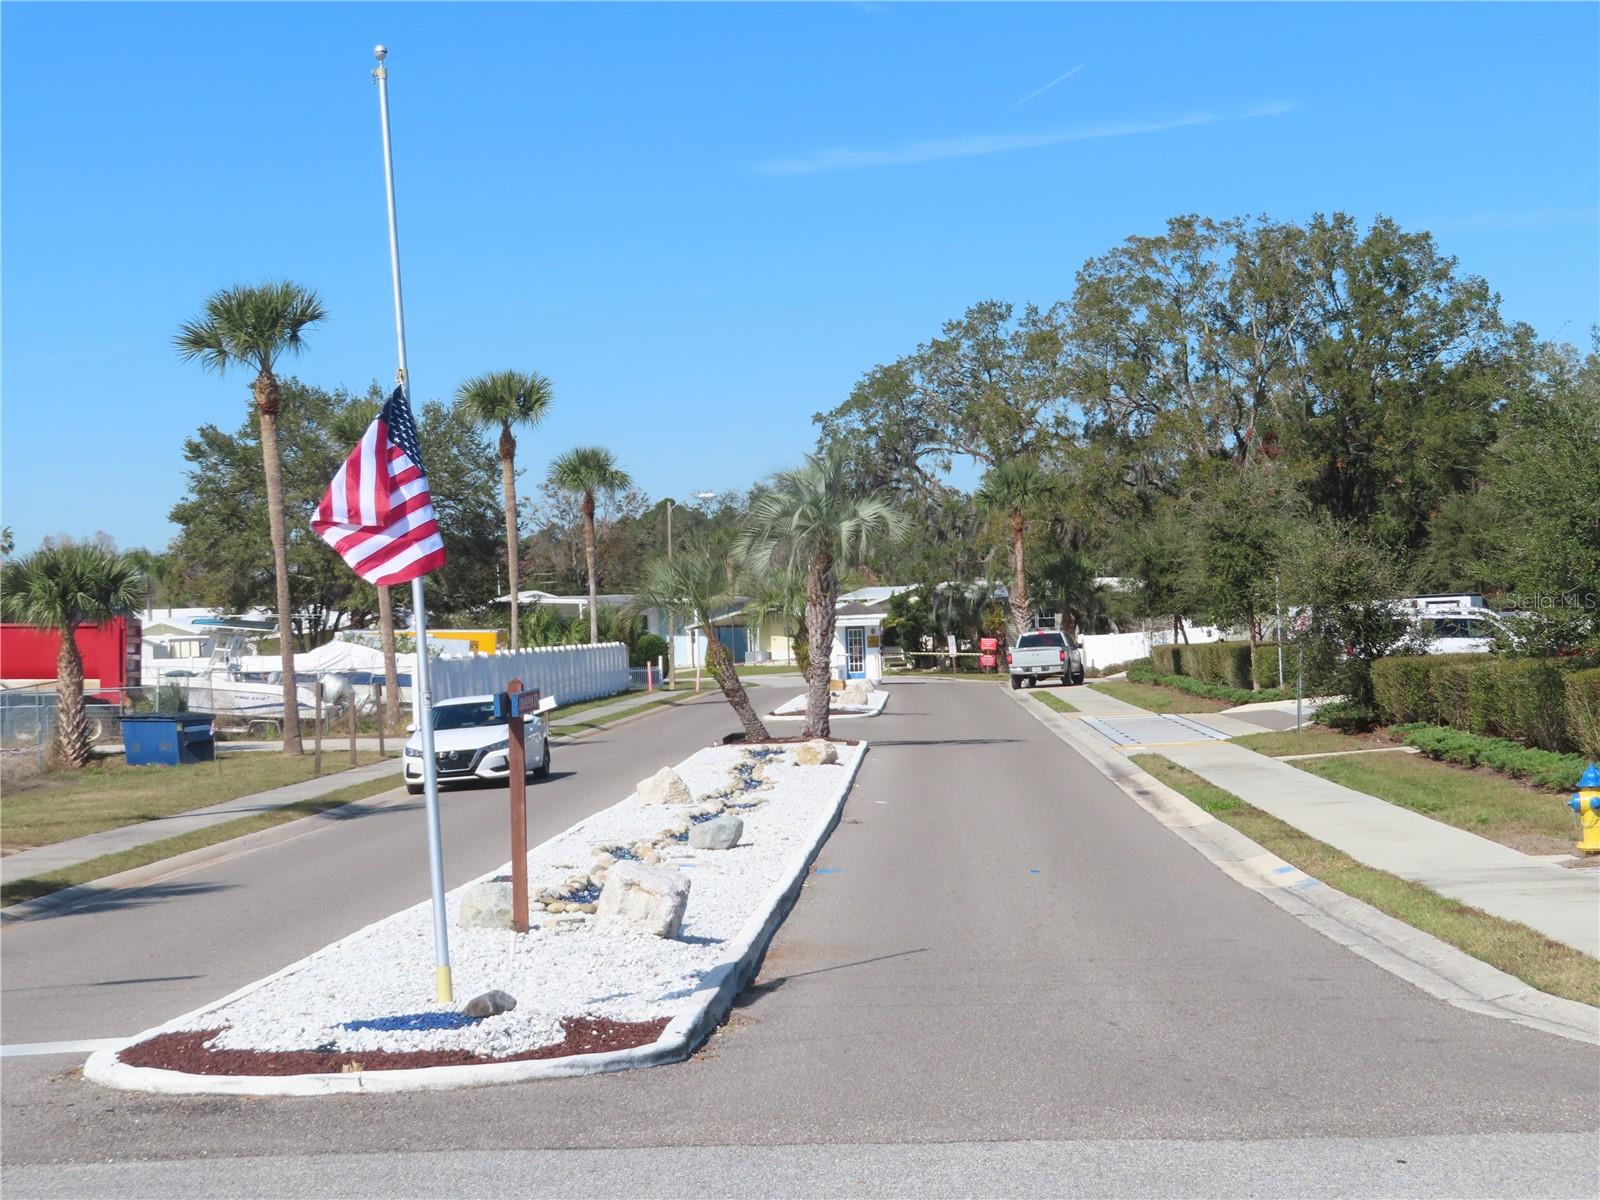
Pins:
x: 704, y: 223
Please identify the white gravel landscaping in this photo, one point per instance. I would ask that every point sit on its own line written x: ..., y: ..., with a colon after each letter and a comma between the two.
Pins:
x: 795, y: 708
x: 562, y: 967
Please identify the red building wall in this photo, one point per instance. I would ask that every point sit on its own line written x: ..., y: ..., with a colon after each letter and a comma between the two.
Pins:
x: 110, y: 652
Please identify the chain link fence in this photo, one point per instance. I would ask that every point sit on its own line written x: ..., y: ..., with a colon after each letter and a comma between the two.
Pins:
x: 330, y: 702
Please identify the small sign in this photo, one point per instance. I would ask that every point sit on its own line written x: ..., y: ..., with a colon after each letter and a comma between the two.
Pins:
x: 516, y: 704
x: 872, y: 639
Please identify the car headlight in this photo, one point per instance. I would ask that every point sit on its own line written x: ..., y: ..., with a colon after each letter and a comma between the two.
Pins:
x: 413, y: 752
x: 502, y: 744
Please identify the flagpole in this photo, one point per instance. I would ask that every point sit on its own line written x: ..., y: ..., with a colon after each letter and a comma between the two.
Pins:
x: 421, y: 692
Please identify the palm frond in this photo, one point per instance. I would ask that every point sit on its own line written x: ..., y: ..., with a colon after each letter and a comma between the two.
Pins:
x: 250, y: 325
x: 510, y: 398
x: 588, y: 471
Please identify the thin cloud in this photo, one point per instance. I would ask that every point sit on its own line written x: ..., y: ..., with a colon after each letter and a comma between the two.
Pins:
x: 846, y: 158
x: 1041, y: 91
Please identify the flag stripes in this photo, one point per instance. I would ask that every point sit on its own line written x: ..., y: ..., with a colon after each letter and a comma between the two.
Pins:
x: 377, y: 513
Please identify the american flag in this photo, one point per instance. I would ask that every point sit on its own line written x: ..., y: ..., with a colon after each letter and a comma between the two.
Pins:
x: 377, y: 513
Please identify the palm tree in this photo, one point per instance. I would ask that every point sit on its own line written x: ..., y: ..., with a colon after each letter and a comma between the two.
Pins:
x: 508, y: 399
x: 581, y: 473
x: 698, y: 582
x: 780, y: 590
x: 62, y: 587
x: 812, y: 519
x: 1016, y: 488
x: 252, y: 327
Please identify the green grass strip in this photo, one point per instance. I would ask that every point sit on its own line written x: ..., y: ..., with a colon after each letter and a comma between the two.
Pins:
x: 108, y: 794
x: 1313, y: 739
x: 569, y: 728
x: 151, y: 852
x: 1156, y: 699
x: 1055, y: 702
x: 1505, y: 945
x: 1144, y: 673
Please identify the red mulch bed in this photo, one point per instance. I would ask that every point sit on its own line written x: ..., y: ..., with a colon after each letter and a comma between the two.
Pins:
x: 187, y: 1051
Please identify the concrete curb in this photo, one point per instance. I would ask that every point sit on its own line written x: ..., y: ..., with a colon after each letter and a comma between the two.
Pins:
x: 799, y: 714
x: 1419, y: 958
x: 707, y: 1009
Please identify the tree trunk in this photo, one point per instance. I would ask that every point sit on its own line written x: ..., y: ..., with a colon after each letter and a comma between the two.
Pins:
x: 822, y: 593
x: 1021, y: 610
x: 588, y: 558
x: 391, y: 674
x: 72, y: 731
x: 266, y: 389
x: 508, y: 489
x: 720, y: 663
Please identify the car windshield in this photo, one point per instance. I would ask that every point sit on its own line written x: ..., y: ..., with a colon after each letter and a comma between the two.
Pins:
x: 464, y: 716
x: 1036, y: 641
x: 1454, y: 627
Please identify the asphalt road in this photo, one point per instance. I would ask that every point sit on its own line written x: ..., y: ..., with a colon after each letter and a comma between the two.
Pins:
x: 1009, y: 980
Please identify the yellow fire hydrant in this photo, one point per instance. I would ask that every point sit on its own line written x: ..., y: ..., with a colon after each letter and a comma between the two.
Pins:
x: 1586, y: 803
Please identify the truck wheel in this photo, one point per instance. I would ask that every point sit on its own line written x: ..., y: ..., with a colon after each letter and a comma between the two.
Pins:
x: 1078, y: 679
x: 414, y: 788
x: 1016, y: 682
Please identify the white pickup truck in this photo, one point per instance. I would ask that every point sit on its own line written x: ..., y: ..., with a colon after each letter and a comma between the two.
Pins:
x: 1043, y: 653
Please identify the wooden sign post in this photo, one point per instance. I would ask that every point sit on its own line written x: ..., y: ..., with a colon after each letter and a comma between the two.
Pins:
x: 513, y: 706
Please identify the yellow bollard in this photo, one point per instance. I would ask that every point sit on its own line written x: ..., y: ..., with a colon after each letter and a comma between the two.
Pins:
x: 1586, y: 803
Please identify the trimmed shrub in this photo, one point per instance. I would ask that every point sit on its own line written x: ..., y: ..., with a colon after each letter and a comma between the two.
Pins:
x: 1165, y: 659
x: 1450, y: 683
x: 1582, y: 690
x: 646, y: 649
x: 1227, y: 663
x: 1403, y: 686
x: 1110, y: 669
x: 1522, y: 698
x: 1264, y: 665
x: 1349, y: 716
x: 1545, y: 769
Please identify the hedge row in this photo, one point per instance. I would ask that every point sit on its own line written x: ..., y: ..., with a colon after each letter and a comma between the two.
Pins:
x: 1225, y: 663
x: 1543, y: 767
x: 1538, y: 701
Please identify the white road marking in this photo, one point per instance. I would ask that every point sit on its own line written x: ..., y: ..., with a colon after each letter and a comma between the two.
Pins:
x: 32, y: 1049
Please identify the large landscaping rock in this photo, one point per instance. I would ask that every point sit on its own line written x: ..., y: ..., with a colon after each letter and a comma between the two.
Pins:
x: 815, y: 753
x: 857, y: 694
x: 642, y: 900
x: 485, y: 905
x: 720, y: 833
x: 490, y: 1004
x: 666, y: 786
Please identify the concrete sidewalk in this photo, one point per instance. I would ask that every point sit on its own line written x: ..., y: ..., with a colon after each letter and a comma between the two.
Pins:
x: 1561, y: 903
x: 41, y: 860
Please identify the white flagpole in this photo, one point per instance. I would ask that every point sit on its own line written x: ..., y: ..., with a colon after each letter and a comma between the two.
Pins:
x: 421, y: 692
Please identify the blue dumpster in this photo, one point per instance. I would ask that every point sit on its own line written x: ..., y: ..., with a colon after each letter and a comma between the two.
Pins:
x: 168, y: 739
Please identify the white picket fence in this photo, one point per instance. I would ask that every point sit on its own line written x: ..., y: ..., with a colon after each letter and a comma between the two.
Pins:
x: 569, y: 673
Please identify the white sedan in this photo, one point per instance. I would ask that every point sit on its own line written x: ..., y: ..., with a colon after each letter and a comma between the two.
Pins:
x: 470, y: 742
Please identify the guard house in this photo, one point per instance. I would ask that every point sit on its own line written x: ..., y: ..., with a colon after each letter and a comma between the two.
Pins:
x: 858, y: 640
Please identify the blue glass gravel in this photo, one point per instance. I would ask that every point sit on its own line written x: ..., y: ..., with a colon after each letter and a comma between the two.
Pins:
x: 421, y: 1021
